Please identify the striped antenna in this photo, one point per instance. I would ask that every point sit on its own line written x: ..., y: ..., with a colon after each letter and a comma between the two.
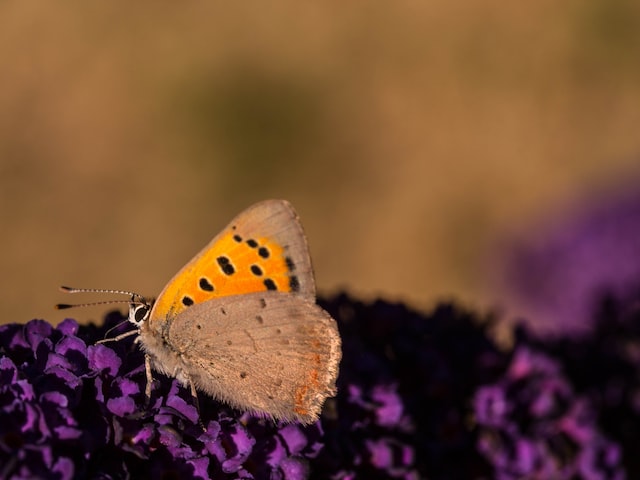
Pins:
x: 136, y: 298
x: 98, y: 290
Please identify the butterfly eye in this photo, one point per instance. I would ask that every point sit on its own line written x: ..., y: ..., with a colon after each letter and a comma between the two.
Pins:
x: 138, y: 313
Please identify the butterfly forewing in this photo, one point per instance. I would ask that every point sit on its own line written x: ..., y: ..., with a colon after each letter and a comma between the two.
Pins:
x: 266, y: 352
x: 262, y: 249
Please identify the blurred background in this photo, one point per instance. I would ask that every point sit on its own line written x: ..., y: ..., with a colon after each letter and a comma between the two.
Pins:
x: 414, y: 138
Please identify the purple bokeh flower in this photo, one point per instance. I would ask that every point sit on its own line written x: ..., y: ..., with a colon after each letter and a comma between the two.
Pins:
x: 555, y: 274
x: 532, y: 425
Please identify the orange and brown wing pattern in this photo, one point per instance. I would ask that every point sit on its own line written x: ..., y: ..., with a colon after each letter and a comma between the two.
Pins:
x: 262, y: 249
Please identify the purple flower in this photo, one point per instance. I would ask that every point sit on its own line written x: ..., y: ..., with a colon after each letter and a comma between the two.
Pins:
x: 532, y: 425
x: 70, y: 408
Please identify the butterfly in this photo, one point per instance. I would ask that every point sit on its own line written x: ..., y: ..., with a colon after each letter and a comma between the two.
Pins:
x: 240, y: 321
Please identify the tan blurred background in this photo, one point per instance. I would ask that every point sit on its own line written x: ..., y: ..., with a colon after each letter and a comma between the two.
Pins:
x: 410, y: 136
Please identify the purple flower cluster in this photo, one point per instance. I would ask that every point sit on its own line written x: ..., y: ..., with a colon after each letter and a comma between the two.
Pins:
x: 419, y: 396
x: 403, y: 393
x: 72, y: 409
x: 532, y: 425
x: 604, y: 366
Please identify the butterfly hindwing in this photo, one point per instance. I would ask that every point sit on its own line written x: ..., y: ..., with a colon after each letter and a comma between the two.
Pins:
x: 274, y: 352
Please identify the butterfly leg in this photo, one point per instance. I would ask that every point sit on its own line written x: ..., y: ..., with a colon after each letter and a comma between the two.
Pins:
x: 194, y: 394
x: 119, y: 337
x: 147, y: 369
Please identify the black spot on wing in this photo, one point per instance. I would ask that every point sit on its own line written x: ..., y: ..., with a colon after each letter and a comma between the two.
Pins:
x: 290, y: 265
x: 205, y: 284
x: 256, y: 270
x: 187, y: 301
x: 225, y: 265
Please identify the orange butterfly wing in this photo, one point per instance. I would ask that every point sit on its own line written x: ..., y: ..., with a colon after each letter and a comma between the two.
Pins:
x: 264, y: 248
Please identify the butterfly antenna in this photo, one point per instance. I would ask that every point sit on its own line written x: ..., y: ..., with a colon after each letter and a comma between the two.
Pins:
x: 136, y: 298
x: 99, y: 290
x: 63, y: 306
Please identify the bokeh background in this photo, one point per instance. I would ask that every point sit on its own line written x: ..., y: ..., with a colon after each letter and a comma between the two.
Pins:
x: 414, y: 138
